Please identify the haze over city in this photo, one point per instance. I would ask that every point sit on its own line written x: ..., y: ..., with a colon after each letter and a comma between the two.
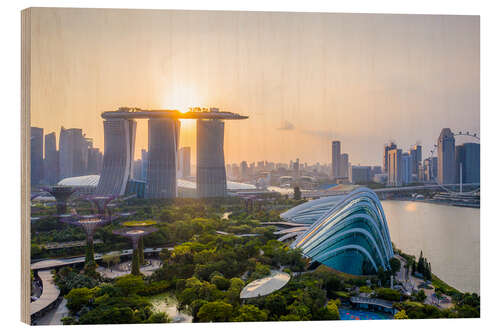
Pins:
x: 303, y: 79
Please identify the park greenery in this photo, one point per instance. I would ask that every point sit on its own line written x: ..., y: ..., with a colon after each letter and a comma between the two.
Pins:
x: 210, y: 262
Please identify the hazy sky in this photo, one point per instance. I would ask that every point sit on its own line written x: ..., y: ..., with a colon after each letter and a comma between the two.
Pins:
x: 302, y: 78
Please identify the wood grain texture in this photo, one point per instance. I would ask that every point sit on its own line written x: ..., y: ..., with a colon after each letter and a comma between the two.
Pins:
x: 25, y: 163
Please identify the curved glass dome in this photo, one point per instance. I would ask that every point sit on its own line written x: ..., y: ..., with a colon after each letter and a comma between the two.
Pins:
x: 348, y: 233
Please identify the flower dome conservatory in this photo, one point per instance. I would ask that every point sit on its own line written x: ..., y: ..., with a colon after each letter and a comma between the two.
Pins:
x: 348, y: 233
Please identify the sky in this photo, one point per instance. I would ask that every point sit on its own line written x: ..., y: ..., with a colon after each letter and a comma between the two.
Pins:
x: 304, y: 79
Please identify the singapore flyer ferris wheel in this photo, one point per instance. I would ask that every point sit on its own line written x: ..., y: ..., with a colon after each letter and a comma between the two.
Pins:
x: 450, y: 188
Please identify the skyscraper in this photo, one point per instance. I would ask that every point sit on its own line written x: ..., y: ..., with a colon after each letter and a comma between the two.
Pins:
x: 468, y: 161
x: 94, y: 161
x: 387, y: 147
x: 344, y: 165
x: 72, y: 153
x: 416, y: 161
x: 51, y: 163
x: 162, y: 158
x: 446, y: 157
x: 184, y: 166
x: 407, y: 164
x: 244, y: 169
x: 144, y: 164
x: 336, y: 159
x: 210, y: 166
x: 36, y: 142
x: 394, y: 177
x: 119, y: 144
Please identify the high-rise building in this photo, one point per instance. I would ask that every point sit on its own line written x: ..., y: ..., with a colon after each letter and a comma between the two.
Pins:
x: 162, y: 158
x: 244, y: 169
x: 210, y: 166
x: 296, y: 169
x: 94, y: 161
x: 36, y: 142
x: 72, y: 153
x: 360, y: 174
x: 446, y: 157
x: 387, y: 147
x: 184, y: 162
x: 144, y: 164
x: 468, y: 162
x: 394, y: 175
x: 137, y: 169
x: 344, y: 165
x: 51, y: 163
x: 375, y: 170
x: 119, y: 145
x: 407, y: 168
x: 336, y: 159
x: 416, y: 160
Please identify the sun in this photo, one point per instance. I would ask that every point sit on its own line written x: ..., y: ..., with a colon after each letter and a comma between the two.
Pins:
x: 181, y: 98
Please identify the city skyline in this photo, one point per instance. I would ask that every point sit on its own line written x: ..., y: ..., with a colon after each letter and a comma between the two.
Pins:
x: 304, y: 79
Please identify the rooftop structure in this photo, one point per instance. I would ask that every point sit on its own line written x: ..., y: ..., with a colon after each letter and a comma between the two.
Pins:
x: 265, y: 286
x: 193, y: 113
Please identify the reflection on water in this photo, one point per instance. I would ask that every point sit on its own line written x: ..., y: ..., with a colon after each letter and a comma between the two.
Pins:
x: 447, y: 235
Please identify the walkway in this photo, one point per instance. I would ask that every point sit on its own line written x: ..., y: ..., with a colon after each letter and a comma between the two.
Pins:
x: 49, y: 295
x: 372, y: 301
x: 265, y: 286
x: 54, y: 263
x: 55, y: 316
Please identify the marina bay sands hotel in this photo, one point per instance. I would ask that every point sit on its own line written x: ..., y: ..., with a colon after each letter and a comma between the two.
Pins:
x: 163, y: 144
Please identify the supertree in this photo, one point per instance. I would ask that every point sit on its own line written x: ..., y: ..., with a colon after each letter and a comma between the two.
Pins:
x: 101, y: 203
x: 62, y: 194
x: 133, y: 224
x: 89, y: 223
x: 135, y: 234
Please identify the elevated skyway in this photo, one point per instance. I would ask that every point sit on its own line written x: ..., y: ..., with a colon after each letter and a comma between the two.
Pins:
x: 193, y: 113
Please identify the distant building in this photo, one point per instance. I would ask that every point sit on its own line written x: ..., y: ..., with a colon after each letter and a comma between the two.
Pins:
x: 137, y: 170
x: 468, y: 162
x: 336, y: 159
x: 344, y: 165
x: 375, y: 170
x: 407, y: 164
x: 446, y: 157
x: 51, y: 162
x: 360, y: 174
x: 244, y: 169
x: 144, y: 164
x: 416, y: 161
x: 94, y: 161
x: 184, y: 162
x: 387, y: 148
x: 296, y: 169
x: 394, y: 175
x: 72, y: 153
x: 162, y: 158
x: 210, y: 166
x: 36, y: 142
